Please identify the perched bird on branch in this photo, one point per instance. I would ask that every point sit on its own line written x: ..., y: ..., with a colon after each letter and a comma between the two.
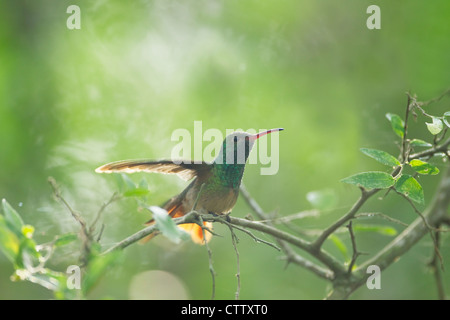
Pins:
x: 221, y: 180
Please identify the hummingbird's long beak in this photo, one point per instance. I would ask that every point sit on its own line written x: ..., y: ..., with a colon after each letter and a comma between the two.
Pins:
x: 260, y: 134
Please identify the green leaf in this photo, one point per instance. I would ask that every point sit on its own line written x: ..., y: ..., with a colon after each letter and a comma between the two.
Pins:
x: 12, y: 218
x: 419, y: 143
x: 447, y: 121
x: 166, y: 225
x: 398, y: 125
x: 9, y: 242
x: 371, y: 180
x: 64, y: 239
x: 436, y: 126
x: 143, y: 184
x: 381, y: 156
x: 384, y: 230
x: 28, y: 256
x: 322, y: 199
x: 124, y: 182
x: 340, y: 245
x: 423, y: 167
x: 138, y: 192
x: 130, y: 185
x: 409, y: 186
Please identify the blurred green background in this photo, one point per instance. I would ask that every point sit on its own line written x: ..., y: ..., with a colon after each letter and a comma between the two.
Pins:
x: 71, y: 100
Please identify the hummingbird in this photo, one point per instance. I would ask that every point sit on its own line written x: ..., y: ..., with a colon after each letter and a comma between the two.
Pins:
x: 215, y: 184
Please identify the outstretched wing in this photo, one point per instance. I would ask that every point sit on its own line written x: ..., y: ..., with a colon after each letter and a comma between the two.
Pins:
x: 185, y: 171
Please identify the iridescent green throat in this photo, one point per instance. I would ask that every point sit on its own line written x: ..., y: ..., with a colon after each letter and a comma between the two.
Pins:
x: 230, y: 174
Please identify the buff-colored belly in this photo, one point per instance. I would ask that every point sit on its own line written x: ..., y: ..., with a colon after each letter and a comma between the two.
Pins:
x: 219, y: 202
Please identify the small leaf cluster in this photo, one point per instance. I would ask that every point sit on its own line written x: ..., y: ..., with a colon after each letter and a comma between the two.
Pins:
x: 30, y: 259
x: 403, y: 183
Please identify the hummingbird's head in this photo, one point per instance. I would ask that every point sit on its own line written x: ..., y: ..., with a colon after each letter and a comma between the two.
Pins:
x: 236, y: 146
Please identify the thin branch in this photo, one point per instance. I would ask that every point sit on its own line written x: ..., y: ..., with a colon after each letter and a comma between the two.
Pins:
x: 230, y: 225
x: 113, y: 198
x: 208, y: 249
x: 188, y: 218
x: 437, y: 271
x: 295, y: 216
x: 379, y: 214
x: 234, y: 241
x: 60, y: 198
x: 198, y: 197
x: 432, y: 151
x: 321, y: 255
x: 425, y: 103
x: 85, y: 235
x: 356, y: 253
x: 252, y: 203
x: 292, y: 257
x: 419, y: 104
x: 365, y: 195
x: 100, y: 233
x: 329, y: 261
x: 405, y: 129
x: 413, y: 103
x: 430, y: 228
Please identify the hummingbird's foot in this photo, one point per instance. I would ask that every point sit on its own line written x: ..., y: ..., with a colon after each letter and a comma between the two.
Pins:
x: 221, y: 215
x: 227, y: 217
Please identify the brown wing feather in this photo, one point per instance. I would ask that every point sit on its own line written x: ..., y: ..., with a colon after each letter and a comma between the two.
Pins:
x: 185, y: 171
